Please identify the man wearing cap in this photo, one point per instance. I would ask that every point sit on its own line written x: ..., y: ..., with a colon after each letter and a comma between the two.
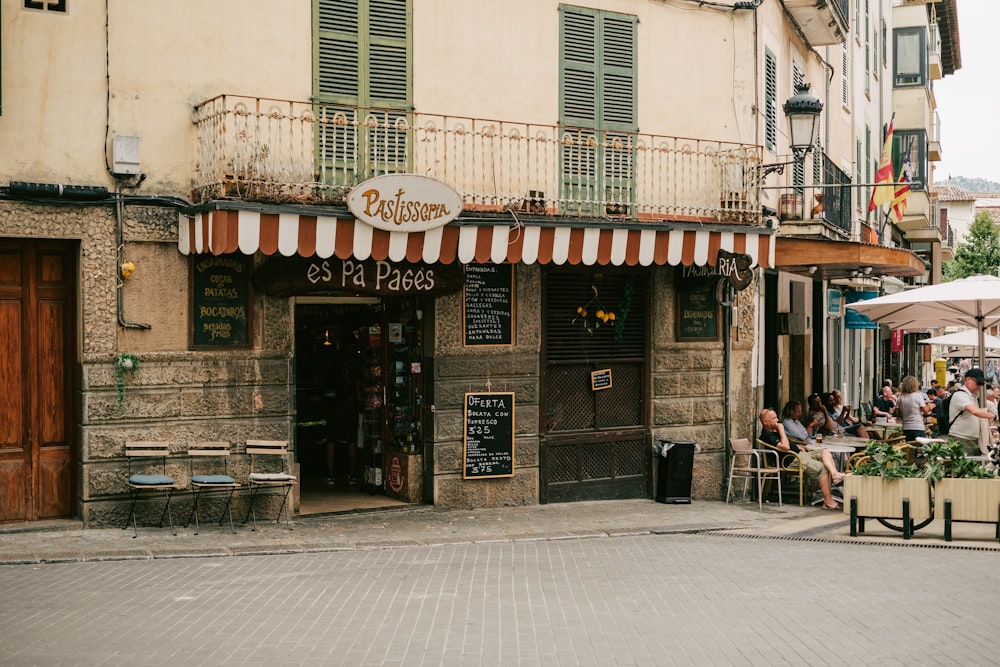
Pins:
x: 965, y: 413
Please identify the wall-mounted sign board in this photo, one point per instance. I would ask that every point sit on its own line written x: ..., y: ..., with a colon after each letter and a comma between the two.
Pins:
x: 697, y: 308
x: 488, y: 305
x: 600, y: 379
x: 489, y: 435
x: 220, y: 299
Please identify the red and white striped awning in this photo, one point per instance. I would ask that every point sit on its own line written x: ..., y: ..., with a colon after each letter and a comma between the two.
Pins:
x: 228, y: 231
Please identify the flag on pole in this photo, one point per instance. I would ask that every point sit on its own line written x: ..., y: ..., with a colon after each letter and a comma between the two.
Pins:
x: 902, y: 190
x: 883, y: 194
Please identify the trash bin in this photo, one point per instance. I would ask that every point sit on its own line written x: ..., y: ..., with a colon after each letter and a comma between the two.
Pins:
x: 673, y: 480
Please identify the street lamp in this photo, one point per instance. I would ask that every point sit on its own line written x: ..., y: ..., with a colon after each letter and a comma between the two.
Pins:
x: 803, y: 111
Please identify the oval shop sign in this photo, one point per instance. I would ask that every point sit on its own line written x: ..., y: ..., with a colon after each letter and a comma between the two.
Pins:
x: 404, y: 202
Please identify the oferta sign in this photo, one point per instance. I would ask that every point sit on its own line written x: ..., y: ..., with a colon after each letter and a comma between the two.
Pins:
x: 404, y: 203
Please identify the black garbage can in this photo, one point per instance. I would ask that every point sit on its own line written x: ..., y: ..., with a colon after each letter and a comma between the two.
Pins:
x: 673, y: 481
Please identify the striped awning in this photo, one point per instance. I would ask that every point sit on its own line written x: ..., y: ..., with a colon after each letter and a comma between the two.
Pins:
x: 230, y: 231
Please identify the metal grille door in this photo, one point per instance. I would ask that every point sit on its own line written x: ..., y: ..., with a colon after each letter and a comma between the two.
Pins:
x: 595, y: 444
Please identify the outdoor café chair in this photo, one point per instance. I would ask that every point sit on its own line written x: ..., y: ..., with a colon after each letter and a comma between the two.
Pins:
x: 790, y: 464
x: 213, y: 458
x: 148, y: 481
x: 752, y: 464
x: 270, y: 454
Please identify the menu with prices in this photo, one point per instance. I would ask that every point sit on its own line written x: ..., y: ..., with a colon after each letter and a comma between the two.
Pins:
x: 489, y: 435
x: 488, y: 305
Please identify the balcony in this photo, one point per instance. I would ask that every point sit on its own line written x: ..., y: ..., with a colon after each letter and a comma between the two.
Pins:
x: 934, y: 67
x: 934, y: 140
x: 284, y: 151
x: 822, y: 22
x: 817, y: 211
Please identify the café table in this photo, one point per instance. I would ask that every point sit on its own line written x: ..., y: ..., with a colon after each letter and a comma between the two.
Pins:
x: 840, y: 446
x: 883, y: 429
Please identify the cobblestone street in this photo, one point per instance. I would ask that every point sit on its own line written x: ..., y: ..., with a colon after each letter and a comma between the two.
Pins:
x: 704, y: 598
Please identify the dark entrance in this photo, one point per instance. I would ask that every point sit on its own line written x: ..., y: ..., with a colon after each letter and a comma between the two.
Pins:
x: 359, y: 393
x: 37, y: 354
x: 596, y: 439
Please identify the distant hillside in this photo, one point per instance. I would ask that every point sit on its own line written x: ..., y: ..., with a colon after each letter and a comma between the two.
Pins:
x: 972, y: 184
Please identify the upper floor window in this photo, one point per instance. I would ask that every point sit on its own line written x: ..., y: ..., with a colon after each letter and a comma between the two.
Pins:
x: 52, y: 6
x: 909, y: 57
x: 910, y: 157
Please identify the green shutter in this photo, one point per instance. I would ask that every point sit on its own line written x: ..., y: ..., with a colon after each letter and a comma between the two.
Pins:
x: 618, y: 70
x: 770, y: 101
x: 387, y: 57
x: 363, y: 52
x: 579, y: 66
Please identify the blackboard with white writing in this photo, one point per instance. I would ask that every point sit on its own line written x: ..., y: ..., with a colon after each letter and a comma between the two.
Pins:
x: 488, y: 304
x: 489, y: 435
x: 221, y: 301
x: 697, y: 309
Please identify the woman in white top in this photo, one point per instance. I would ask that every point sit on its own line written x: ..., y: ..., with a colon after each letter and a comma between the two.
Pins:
x: 912, y: 407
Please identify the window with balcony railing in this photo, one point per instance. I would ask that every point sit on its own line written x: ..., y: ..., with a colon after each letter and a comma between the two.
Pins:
x: 362, y: 59
x: 910, y: 153
x: 837, y: 197
x: 598, y: 54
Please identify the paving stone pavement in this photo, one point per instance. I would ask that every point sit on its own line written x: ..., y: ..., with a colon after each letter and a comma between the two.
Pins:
x: 604, y: 583
x: 419, y: 525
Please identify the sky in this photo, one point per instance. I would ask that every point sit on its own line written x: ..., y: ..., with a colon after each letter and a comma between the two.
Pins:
x: 969, y: 100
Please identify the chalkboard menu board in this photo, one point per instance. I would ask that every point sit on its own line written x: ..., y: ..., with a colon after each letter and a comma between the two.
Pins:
x: 489, y: 435
x: 697, y: 309
x: 488, y: 304
x: 221, y: 302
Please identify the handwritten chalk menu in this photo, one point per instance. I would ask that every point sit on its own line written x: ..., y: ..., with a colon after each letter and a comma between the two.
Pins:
x: 600, y: 379
x: 489, y: 435
x: 697, y: 309
x: 488, y: 304
x: 221, y: 301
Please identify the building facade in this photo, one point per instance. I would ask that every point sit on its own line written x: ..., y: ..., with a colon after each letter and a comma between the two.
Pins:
x: 467, y: 272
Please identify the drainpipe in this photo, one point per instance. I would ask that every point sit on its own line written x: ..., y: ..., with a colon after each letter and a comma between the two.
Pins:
x: 119, y: 252
x: 725, y: 295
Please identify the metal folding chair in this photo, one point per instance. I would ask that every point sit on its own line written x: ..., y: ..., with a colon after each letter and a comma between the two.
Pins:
x: 211, y: 454
x: 146, y: 481
x: 270, y: 454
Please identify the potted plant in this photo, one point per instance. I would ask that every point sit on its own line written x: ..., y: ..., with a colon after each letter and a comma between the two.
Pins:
x: 124, y: 363
x: 972, y: 491
x: 883, y: 480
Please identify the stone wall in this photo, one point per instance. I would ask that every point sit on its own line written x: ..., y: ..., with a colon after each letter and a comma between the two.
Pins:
x: 458, y: 370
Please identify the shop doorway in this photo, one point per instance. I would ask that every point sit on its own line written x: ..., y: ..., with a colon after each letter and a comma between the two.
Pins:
x: 359, y: 389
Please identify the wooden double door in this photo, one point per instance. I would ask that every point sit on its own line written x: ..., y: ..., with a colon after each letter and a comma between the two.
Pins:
x: 37, y: 352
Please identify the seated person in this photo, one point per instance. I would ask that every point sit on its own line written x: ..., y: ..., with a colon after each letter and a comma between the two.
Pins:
x: 817, y: 465
x: 790, y: 416
x: 885, y: 404
x: 841, y: 414
x: 818, y: 412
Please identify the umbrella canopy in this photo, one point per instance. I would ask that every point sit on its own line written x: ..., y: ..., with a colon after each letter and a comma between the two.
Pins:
x: 968, y: 338
x: 972, y: 302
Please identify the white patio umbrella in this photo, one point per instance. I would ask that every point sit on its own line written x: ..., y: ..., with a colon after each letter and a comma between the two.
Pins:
x: 966, y: 344
x: 972, y: 302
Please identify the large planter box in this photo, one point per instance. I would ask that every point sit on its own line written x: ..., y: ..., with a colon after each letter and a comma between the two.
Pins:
x: 883, y: 498
x: 971, y: 499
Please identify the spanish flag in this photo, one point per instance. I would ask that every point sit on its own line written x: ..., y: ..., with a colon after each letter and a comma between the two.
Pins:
x: 883, y: 194
x: 902, y: 190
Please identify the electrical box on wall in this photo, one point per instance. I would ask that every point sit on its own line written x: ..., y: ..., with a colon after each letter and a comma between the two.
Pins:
x: 125, y: 155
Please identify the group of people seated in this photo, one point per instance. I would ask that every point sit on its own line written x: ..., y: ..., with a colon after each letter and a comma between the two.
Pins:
x: 797, y: 429
x: 922, y: 411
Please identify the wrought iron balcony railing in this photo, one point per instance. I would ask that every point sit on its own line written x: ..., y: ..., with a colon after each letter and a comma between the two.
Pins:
x: 286, y: 151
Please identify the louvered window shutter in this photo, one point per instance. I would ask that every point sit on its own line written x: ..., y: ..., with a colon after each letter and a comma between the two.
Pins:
x: 387, y: 61
x: 770, y: 102
x: 338, y: 45
x: 579, y: 65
